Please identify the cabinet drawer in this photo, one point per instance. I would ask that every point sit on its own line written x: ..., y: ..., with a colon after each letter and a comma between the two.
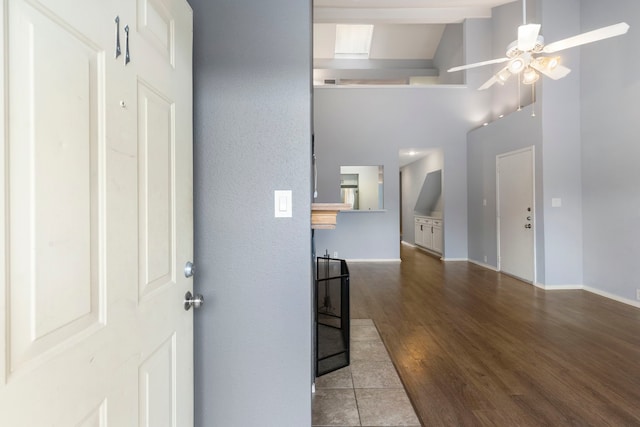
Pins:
x: 437, y: 222
x: 423, y: 221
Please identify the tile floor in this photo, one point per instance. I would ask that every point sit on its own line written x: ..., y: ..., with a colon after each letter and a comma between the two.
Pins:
x: 366, y: 393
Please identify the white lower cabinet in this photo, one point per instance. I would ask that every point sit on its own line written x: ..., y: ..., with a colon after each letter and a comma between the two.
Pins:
x: 428, y: 233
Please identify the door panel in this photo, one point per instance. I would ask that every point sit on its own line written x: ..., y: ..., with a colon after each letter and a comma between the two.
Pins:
x: 54, y: 222
x: 515, y: 214
x: 156, y: 163
x: 96, y: 207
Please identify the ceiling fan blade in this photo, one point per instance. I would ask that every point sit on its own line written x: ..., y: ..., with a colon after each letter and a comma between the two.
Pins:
x: 528, y: 36
x: 493, y: 80
x: 556, y: 73
x: 478, y: 64
x: 588, y: 37
x: 500, y: 77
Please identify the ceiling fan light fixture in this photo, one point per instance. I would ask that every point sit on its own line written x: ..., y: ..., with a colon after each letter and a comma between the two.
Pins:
x: 516, y: 65
x: 546, y: 63
x: 529, y: 76
x: 503, y: 75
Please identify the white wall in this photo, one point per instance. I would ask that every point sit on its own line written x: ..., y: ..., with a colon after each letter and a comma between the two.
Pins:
x: 252, y: 113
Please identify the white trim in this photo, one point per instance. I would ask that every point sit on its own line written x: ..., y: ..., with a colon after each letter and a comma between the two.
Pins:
x: 454, y: 259
x: 374, y: 260
x: 483, y: 265
x: 558, y: 287
x: 612, y: 296
x: 408, y: 244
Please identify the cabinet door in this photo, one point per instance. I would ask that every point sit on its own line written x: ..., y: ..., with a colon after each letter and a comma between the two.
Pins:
x: 437, y: 239
x: 428, y: 236
x: 419, y: 234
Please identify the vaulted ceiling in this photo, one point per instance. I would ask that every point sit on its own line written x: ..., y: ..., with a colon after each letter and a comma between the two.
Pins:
x: 404, y: 29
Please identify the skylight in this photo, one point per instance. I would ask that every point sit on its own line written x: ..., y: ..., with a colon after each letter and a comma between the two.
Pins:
x: 353, y: 41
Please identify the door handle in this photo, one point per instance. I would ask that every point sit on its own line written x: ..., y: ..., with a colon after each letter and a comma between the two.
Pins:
x: 189, y: 269
x: 192, y: 300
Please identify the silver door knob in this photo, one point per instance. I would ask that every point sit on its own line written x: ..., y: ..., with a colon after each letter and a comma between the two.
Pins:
x: 189, y: 269
x: 192, y: 300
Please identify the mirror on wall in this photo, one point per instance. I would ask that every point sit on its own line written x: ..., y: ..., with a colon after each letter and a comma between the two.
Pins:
x: 362, y: 187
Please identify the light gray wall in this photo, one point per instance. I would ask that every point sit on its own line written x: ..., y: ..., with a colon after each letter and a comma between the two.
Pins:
x: 252, y: 72
x: 450, y: 53
x: 413, y: 176
x: 364, y: 126
x: 555, y: 134
x: 585, y: 153
x: 513, y: 132
x: 559, y: 106
x: 610, y: 89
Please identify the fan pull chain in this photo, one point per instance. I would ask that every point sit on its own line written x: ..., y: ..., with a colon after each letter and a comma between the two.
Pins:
x: 519, y: 96
x: 533, y: 100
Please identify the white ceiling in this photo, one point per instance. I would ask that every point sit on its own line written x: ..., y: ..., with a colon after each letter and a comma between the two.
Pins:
x: 402, y: 11
x: 393, y: 38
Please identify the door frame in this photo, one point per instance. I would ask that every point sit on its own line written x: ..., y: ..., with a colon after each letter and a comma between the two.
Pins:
x: 533, y: 208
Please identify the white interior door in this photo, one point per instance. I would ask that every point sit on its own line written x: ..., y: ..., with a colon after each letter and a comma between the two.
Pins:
x: 516, y: 222
x: 96, y: 210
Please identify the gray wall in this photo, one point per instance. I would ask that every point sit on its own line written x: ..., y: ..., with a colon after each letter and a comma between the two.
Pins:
x: 585, y: 135
x: 559, y: 103
x: 610, y: 89
x: 252, y: 73
x: 450, y: 53
x: 513, y: 132
x: 554, y: 131
x: 365, y: 125
x: 368, y: 126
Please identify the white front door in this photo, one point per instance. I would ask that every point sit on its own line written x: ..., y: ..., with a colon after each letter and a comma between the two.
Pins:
x: 516, y: 239
x: 96, y: 194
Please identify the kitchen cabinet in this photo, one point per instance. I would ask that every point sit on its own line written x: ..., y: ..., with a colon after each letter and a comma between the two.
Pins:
x: 428, y: 233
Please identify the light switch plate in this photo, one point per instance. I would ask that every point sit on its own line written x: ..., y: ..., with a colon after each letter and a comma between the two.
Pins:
x: 282, y: 204
x: 556, y: 202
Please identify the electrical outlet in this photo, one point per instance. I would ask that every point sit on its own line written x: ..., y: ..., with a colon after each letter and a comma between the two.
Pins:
x: 638, y: 294
x: 335, y: 255
x: 485, y: 258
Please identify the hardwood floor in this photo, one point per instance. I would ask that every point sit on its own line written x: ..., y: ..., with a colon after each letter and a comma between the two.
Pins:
x: 478, y: 348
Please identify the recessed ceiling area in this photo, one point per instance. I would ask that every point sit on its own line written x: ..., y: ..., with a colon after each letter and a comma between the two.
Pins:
x: 405, y: 43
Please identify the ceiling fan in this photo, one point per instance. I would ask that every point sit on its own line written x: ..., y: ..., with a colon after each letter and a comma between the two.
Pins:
x: 524, y: 55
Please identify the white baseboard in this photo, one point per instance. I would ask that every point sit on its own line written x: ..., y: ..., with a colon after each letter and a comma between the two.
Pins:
x: 374, y: 260
x: 481, y: 264
x: 558, y: 287
x: 605, y: 294
x: 408, y: 244
x: 612, y: 296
